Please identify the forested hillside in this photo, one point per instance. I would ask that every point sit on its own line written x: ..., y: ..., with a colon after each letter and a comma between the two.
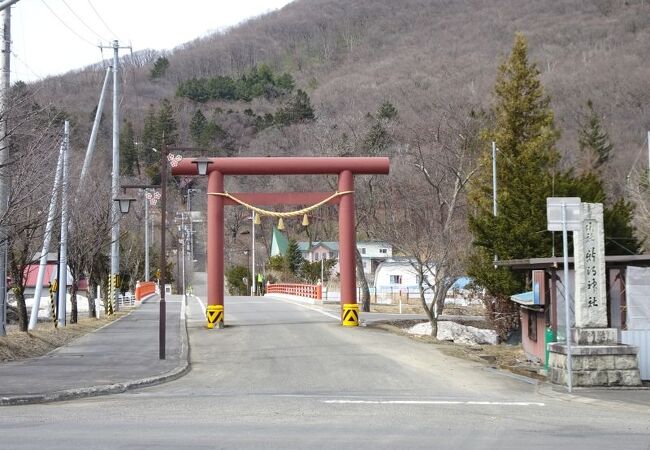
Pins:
x: 349, y: 57
x: 413, y: 80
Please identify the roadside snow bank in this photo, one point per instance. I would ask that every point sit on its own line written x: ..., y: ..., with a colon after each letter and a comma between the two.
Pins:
x: 452, y: 331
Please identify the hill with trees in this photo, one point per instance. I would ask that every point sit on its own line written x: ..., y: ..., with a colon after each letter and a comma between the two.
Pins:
x: 413, y: 80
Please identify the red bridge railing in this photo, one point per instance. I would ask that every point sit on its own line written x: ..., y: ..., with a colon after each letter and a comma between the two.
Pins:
x: 303, y: 290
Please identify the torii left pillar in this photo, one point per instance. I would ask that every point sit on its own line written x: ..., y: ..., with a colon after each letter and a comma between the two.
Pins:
x: 215, y: 250
x: 347, y: 252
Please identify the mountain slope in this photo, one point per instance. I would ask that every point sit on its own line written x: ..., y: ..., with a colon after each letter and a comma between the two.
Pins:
x: 352, y: 56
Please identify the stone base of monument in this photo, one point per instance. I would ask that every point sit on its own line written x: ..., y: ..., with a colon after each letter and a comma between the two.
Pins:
x: 597, y: 359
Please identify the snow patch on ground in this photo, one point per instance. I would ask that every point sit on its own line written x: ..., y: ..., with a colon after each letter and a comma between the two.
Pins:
x: 452, y: 331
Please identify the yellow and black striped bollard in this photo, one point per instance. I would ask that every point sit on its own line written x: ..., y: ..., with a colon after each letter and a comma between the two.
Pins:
x: 350, y: 316
x: 214, y: 313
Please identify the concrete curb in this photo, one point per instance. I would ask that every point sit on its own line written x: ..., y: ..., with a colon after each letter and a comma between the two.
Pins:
x: 107, y: 389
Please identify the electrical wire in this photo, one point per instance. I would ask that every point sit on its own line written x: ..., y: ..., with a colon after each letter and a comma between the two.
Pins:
x: 67, y: 26
x: 102, y: 20
x: 82, y: 21
x: 40, y: 77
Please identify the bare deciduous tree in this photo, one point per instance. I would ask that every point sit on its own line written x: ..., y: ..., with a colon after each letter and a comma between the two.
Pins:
x: 424, y: 204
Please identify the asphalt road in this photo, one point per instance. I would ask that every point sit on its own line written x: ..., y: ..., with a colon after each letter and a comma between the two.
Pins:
x: 286, y: 375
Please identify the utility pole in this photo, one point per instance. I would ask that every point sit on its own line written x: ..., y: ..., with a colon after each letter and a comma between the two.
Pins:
x: 648, y: 155
x: 93, y: 134
x: 4, y: 158
x: 63, y: 246
x: 49, y: 226
x: 115, y: 181
x: 494, y: 186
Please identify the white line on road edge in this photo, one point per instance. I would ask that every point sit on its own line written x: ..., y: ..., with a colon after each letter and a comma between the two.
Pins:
x: 202, y: 306
x: 183, y: 306
x: 432, y: 402
x: 333, y: 316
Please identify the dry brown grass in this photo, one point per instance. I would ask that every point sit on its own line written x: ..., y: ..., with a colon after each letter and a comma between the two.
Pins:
x: 502, y: 356
x: 18, y: 345
x: 455, y: 310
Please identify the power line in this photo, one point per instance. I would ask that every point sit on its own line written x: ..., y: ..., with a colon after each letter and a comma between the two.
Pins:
x: 102, y: 20
x: 82, y: 21
x: 26, y: 66
x: 67, y: 26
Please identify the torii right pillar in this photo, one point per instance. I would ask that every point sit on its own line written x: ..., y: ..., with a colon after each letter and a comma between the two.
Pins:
x: 347, y: 252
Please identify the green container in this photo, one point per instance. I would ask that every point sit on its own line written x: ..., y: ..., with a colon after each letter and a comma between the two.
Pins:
x: 549, y: 338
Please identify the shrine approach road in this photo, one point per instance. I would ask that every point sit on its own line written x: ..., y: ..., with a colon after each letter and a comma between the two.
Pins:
x: 287, y: 375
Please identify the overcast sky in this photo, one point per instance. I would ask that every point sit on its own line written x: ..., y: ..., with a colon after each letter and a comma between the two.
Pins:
x: 54, y: 36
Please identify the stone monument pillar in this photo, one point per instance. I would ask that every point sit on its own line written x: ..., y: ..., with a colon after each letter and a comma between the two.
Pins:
x: 597, y: 357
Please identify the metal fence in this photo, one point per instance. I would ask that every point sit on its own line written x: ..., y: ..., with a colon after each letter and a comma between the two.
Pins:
x: 641, y: 339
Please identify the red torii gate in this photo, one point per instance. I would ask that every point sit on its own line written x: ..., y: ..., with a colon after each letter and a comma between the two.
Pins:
x: 344, y: 167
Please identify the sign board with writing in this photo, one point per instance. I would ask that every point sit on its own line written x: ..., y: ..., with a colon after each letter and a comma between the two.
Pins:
x: 589, y: 249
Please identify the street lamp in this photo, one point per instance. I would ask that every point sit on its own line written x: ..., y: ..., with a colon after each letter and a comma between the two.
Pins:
x: 124, y: 202
x: 202, y: 165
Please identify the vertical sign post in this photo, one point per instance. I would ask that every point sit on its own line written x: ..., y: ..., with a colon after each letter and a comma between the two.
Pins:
x: 564, y: 214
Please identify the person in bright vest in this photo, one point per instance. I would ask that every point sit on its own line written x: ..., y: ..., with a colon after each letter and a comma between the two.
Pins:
x: 260, y: 284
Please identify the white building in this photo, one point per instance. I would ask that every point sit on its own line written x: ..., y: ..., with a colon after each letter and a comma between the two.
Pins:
x: 373, y: 253
x: 397, y: 274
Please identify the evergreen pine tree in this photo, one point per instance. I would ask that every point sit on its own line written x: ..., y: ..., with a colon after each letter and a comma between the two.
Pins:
x: 620, y: 237
x: 166, y: 123
x: 293, y: 257
x: 297, y: 110
x: 128, y: 151
x: 197, y: 127
x: 525, y: 135
x: 593, y: 139
x: 159, y: 68
x: 149, y: 138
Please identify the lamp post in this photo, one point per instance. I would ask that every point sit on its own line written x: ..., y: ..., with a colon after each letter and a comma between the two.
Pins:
x: 124, y: 208
x: 165, y: 156
x: 248, y: 263
x: 151, y: 198
x: 189, y: 209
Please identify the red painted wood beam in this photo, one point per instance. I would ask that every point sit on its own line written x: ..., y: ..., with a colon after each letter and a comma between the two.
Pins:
x: 288, y: 166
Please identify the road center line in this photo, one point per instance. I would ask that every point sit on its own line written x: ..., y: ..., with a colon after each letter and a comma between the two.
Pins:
x: 431, y: 402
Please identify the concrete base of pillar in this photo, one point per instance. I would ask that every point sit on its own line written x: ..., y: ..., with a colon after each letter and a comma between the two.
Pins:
x: 608, y: 364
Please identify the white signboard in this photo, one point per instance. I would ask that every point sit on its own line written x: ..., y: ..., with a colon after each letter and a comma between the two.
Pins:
x: 554, y: 206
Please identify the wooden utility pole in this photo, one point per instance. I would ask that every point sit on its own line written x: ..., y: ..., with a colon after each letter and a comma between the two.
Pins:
x: 5, y: 62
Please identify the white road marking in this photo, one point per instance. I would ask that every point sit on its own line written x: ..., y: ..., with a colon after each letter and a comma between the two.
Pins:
x: 202, y: 306
x: 249, y: 303
x: 183, y: 307
x: 431, y: 402
x: 333, y: 316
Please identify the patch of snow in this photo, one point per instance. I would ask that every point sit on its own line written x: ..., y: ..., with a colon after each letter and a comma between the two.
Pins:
x: 452, y: 331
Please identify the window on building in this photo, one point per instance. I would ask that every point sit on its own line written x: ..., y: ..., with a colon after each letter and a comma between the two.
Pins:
x: 383, y: 250
x: 395, y: 279
x: 362, y: 250
x: 532, y: 325
x: 317, y: 256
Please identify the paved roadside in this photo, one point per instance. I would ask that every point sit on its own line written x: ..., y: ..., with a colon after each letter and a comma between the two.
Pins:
x: 120, y: 356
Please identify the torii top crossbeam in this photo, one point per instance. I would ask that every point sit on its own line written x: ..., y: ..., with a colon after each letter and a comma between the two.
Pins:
x: 288, y: 166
